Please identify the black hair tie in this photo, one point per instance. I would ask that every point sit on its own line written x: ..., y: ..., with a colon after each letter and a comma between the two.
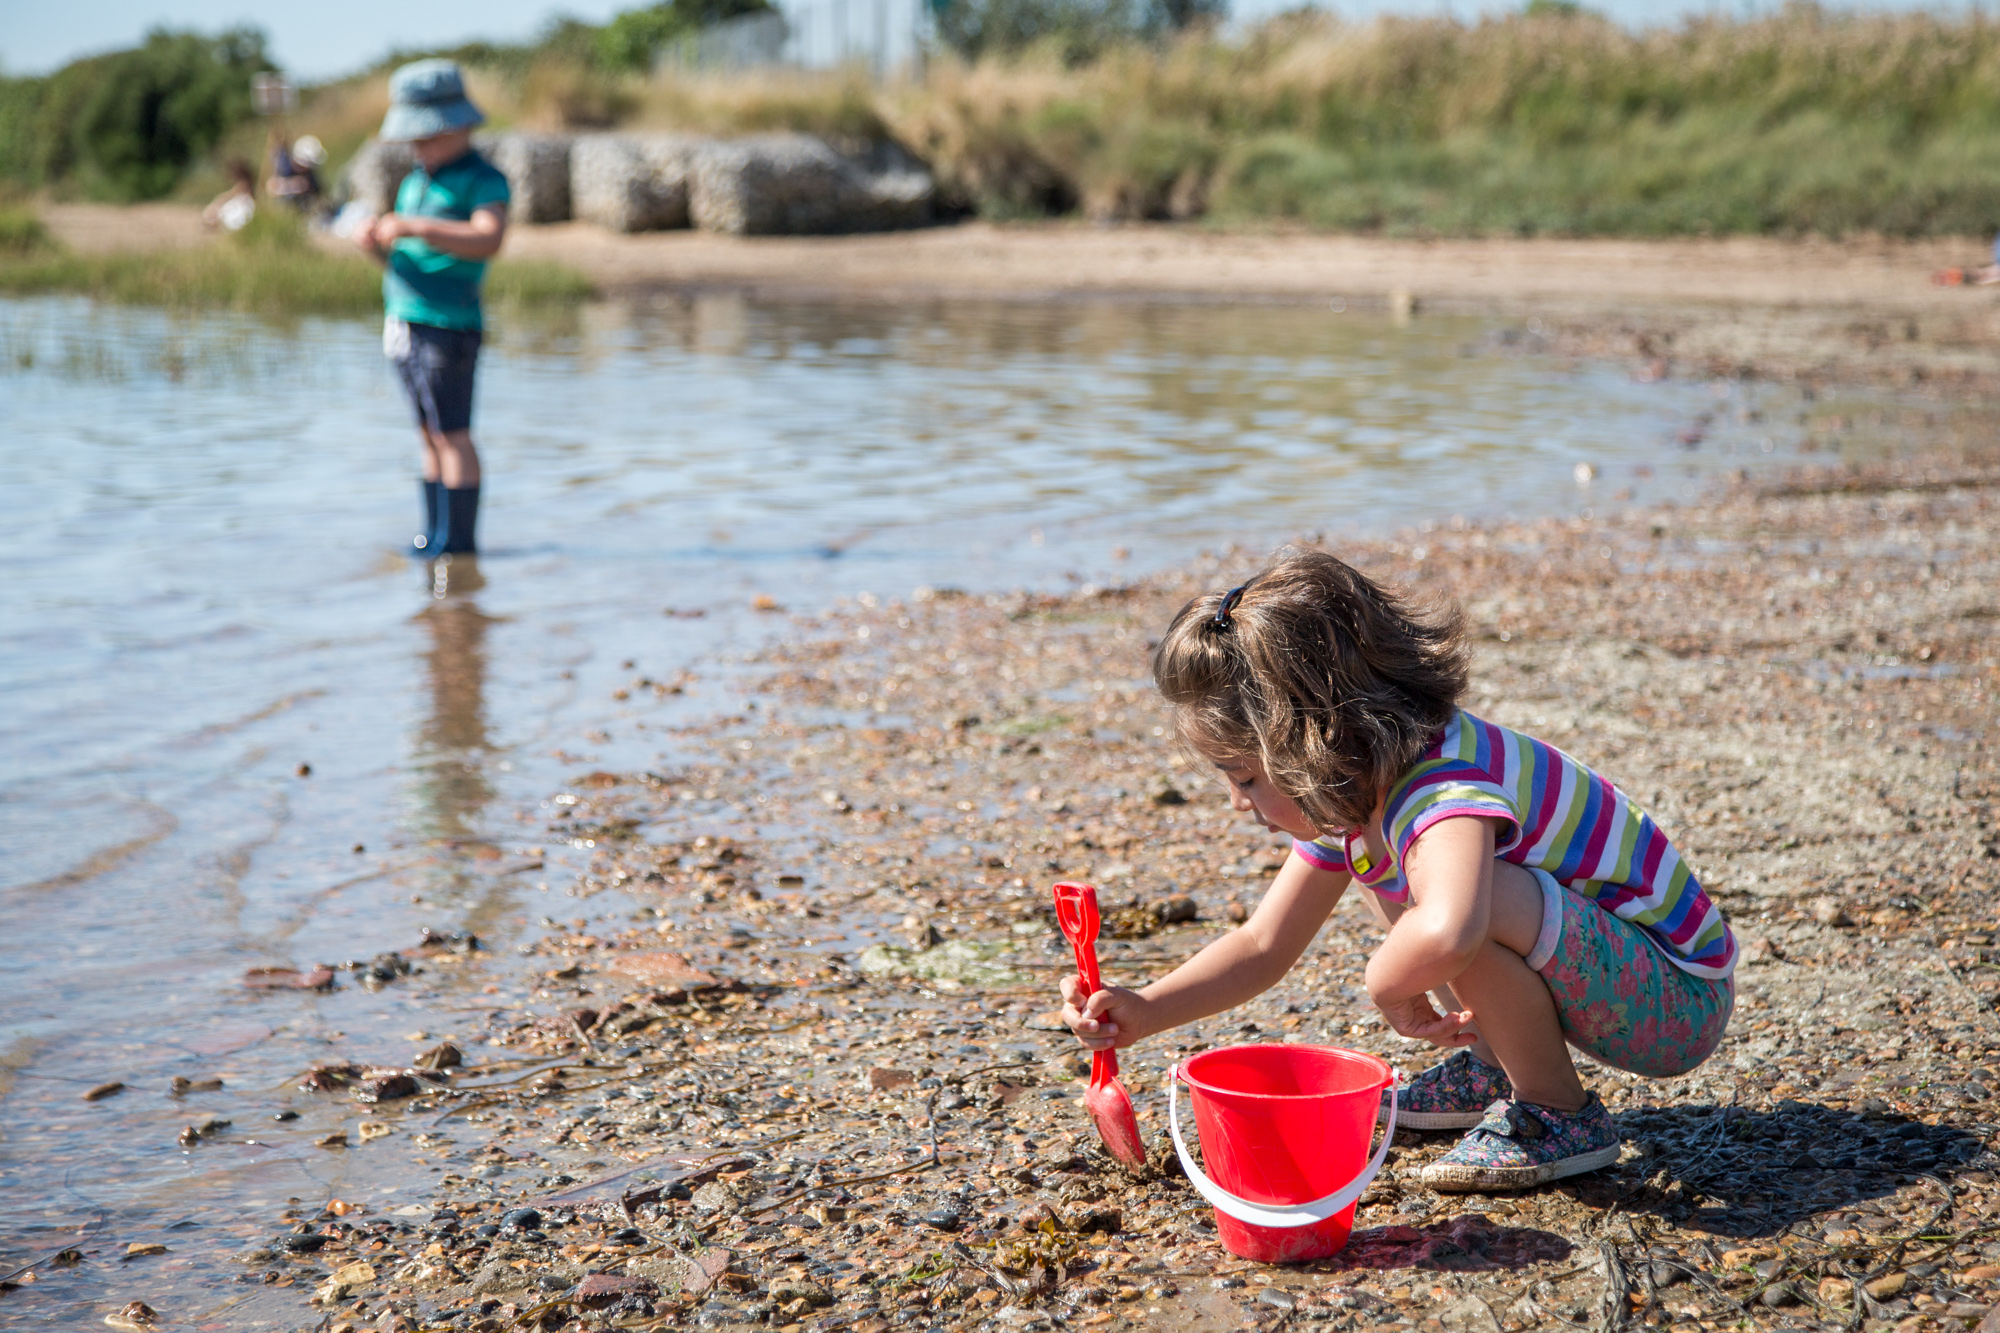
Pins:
x: 1229, y: 600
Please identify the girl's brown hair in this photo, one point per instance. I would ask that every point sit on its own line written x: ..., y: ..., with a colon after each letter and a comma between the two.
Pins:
x: 1335, y: 683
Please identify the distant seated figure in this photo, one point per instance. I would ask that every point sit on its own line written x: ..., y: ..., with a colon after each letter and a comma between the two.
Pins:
x: 234, y: 207
x: 295, y: 172
x: 1985, y: 276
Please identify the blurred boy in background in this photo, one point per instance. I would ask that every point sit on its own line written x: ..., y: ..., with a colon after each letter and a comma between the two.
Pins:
x: 450, y: 217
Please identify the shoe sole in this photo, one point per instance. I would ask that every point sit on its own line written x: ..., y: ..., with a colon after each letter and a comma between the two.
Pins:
x: 1453, y: 1178
x: 1432, y: 1119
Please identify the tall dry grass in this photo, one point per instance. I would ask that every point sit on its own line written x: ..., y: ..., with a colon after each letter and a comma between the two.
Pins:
x: 1803, y: 121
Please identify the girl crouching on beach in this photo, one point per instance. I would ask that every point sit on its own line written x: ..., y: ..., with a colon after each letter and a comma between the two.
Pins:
x: 1538, y: 905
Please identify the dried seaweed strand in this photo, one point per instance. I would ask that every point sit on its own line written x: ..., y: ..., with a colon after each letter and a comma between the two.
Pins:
x: 843, y: 1184
x: 1895, y: 1254
x: 1616, y: 1288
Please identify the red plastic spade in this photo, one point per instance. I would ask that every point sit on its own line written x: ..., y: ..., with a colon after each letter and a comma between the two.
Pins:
x: 1110, y: 1105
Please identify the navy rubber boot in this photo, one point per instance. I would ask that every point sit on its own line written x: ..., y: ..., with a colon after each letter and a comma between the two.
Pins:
x: 461, y: 516
x: 431, y: 538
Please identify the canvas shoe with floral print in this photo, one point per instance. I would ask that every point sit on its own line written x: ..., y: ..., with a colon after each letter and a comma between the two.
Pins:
x: 1452, y: 1095
x: 1520, y: 1144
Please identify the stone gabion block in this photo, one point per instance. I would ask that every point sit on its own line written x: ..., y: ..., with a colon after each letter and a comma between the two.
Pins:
x: 374, y: 173
x: 631, y: 182
x: 537, y: 168
x: 779, y: 184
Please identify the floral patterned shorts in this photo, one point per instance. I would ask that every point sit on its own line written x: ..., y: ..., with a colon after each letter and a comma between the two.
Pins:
x: 1621, y: 1002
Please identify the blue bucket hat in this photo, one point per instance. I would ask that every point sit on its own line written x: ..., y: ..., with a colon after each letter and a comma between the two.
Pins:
x: 427, y: 97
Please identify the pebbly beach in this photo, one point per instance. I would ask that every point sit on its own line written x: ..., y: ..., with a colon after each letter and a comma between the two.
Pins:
x: 805, y: 1075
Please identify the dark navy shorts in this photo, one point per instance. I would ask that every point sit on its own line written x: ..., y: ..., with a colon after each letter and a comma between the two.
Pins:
x: 436, y: 368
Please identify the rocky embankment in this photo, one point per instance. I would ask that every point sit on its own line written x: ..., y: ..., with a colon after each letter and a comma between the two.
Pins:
x: 757, y: 185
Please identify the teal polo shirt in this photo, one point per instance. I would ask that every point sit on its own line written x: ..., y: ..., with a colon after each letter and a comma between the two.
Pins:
x: 423, y: 284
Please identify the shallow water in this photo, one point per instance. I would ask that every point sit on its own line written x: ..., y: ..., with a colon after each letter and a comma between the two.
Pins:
x: 201, y: 592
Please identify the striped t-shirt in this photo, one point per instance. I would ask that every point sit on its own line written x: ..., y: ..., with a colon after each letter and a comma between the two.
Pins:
x: 1555, y: 815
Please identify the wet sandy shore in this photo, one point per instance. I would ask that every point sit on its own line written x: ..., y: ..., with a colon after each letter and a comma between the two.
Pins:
x: 808, y: 1080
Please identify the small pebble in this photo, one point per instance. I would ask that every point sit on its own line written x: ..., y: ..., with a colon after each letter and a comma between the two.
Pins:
x: 943, y: 1220
x: 137, y: 1315
x: 1780, y: 1294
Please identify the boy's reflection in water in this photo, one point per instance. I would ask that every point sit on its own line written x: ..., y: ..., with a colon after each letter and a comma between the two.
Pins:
x: 452, y: 786
x: 453, y: 750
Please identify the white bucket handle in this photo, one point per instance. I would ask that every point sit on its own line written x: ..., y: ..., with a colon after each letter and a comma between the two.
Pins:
x: 1277, y: 1215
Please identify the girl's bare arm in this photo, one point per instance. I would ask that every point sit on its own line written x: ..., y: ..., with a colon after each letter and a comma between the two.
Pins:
x: 1450, y: 870
x: 1242, y: 964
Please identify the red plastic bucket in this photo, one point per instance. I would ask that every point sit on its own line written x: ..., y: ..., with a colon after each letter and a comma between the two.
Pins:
x: 1284, y: 1130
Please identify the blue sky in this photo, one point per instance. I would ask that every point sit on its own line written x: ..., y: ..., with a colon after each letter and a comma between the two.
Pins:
x: 328, y: 37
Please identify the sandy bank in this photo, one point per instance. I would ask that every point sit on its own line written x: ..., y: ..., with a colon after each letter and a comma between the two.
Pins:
x: 1040, y: 261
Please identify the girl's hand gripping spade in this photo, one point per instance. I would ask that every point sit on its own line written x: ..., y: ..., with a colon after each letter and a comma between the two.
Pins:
x: 1109, y: 1104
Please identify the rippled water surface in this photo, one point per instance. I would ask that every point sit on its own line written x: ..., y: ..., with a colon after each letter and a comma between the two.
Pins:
x: 202, y: 598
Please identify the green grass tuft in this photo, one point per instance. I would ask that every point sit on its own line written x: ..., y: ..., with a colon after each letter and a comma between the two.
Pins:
x: 536, y: 282
x: 22, y: 233
x: 271, y: 267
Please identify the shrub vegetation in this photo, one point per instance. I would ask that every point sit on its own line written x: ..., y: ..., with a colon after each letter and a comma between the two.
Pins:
x: 1551, y: 120
x: 128, y: 125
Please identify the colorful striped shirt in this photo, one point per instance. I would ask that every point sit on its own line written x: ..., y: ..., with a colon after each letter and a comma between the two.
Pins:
x: 1554, y: 814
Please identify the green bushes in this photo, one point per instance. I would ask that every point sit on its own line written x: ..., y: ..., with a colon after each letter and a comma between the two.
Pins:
x: 126, y: 126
